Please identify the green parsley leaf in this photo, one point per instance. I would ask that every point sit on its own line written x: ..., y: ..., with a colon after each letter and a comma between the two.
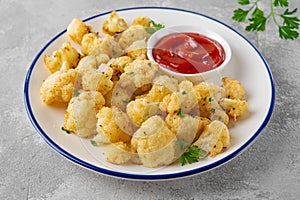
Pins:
x: 130, y: 73
x: 114, y: 52
x: 192, y: 155
x: 150, y: 30
x: 282, y: 3
x: 154, y: 27
x: 126, y: 101
x: 258, y: 21
x: 76, y: 93
x: 182, y: 144
x: 292, y: 22
x: 180, y: 113
x: 65, y: 130
x: 157, y: 25
x: 244, y: 2
x: 285, y: 32
x: 240, y: 15
x: 94, y: 143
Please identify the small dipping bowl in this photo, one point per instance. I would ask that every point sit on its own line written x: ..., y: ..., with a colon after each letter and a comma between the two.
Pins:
x: 194, y: 77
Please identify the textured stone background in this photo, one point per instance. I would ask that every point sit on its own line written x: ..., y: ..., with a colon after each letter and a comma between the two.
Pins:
x: 30, y: 169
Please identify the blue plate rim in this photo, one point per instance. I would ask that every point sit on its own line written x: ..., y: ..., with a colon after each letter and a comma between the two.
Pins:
x: 112, y: 173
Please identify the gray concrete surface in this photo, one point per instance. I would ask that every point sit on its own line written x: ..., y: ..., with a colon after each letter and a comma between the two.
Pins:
x: 30, y: 169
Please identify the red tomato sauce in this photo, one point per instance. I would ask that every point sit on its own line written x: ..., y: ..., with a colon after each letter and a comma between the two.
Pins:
x: 188, y: 53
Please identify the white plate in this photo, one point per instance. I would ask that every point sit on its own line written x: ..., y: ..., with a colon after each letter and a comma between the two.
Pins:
x: 247, y: 65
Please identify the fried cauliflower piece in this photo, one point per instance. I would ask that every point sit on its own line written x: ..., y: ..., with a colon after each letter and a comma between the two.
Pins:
x: 89, y: 42
x: 154, y: 142
x: 138, y: 49
x: 107, y: 128
x: 80, y: 117
x: 118, y: 153
x: 233, y: 88
x: 185, y: 127
x: 114, y: 24
x: 214, y: 138
x: 209, y: 90
x: 94, y: 78
x: 66, y: 57
x: 140, y: 110
x: 208, y: 95
x: 185, y: 99
x: 108, y: 46
x: 138, y: 73
x: 58, y: 87
x: 135, y: 81
x: 162, y: 86
x: 77, y: 29
x: 234, y: 107
x: 118, y: 64
x: 132, y: 34
x: 142, y: 21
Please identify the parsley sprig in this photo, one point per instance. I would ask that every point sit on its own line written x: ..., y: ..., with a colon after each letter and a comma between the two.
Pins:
x: 154, y: 27
x: 191, y: 155
x: 286, y: 22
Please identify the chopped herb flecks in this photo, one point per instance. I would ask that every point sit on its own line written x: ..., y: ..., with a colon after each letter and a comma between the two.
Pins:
x: 65, y: 130
x: 126, y: 101
x: 94, y: 143
x: 180, y: 113
x: 76, y: 93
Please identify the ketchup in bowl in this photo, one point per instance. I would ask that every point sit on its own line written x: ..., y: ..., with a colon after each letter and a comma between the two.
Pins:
x: 188, y: 53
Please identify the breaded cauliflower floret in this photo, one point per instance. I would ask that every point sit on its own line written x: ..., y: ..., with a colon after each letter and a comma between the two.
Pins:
x: 118, y: 153
x: 138, y: 49
x: 234, y: 107
x: 208, y: 95
x: 80, y: 117
x: 142, y: 21
x: 140, y: 110
x: 132, y: 34
x: 58, y: 87
x: 138, y: 73
x: 118, y: 64
x: 66, y: 57
x: 108, y: 129
x: 214, y: 138
x: 154, y: 142
x: 108, y: 46
x: 162, y: 86
x: 89, y: 42
x: 185, y: 99
x: 94, y: 78
x: 233, y: 88
x: 185, y: 127
x: 188, y: 96
x: 114, y: 24
x: 209, y: 90
x: 77, y: 29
